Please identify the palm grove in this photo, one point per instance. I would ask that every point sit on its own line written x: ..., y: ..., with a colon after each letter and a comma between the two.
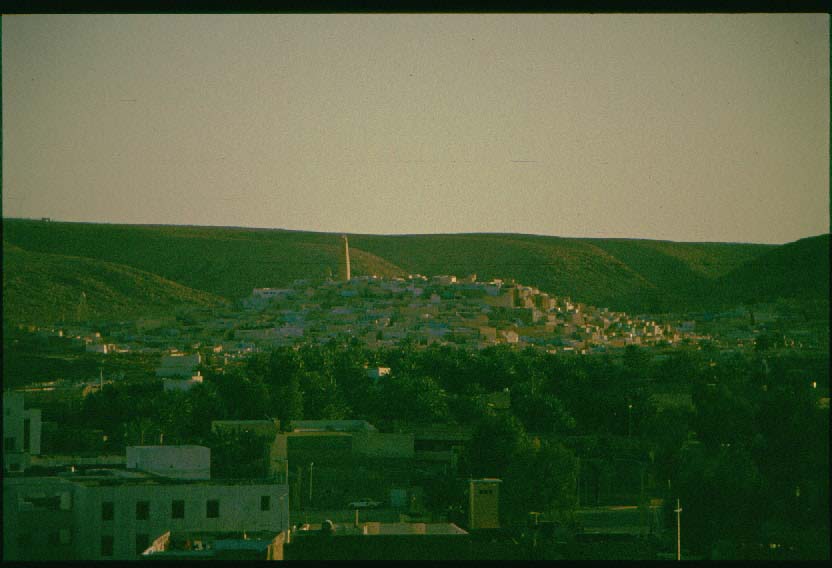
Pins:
x: 749, y: 459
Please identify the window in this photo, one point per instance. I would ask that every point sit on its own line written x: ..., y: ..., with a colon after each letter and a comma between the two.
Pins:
x: 54, y: 538
x: 142, y: 510
x: 27, y: 433
x: 142, y: 543
x: 212, y: 509
x: 24, y: 539
x: 177, y: 509
x: 43, y: 503
x: 107, y: 545
x: 9, y: 444
x: 65, y: 536
x: 107, y: 511
x: 265, y: 503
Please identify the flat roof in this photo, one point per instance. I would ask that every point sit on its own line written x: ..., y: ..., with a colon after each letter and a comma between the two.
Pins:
x: 102, y: 476
x: 269, y: 422
x: 171, y: 448
x: 185, y: 543
x: 380, y: 529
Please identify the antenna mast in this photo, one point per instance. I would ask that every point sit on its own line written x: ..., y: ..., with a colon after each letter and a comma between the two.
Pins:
x: 678, y: 511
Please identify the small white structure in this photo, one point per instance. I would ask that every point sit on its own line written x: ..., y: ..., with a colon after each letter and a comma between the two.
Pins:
x: 181, y: 384
x: 102, y: 348
x: 261, y: 297
x: 179, y: 365
x: 510, y: 336
x: 269, y: 293
x: 377, y: 372
x: 444, y: 279
x: 177, y: 462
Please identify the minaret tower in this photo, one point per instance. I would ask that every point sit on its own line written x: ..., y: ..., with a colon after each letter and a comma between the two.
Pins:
x: 347, y: 255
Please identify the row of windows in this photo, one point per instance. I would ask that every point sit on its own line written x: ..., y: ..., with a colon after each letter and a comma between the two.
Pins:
x: 212, y: 508
x: 212, y: 511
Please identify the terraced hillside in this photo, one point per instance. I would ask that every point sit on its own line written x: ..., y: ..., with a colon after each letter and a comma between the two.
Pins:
x: 632, y: 275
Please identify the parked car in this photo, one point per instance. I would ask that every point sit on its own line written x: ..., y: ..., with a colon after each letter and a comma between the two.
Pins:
x: 364, y: 504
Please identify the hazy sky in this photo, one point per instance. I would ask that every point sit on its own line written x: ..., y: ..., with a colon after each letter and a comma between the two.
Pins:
x: 680, y: 127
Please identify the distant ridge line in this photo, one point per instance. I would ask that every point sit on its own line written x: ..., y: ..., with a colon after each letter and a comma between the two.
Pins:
x: 449, y: 234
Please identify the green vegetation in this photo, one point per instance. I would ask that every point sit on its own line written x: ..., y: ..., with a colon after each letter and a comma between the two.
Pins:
x: 743, y: 444
x: 42, y: 287
x: 801, y: 268
x: 127, y: 269
x: 222, y: 261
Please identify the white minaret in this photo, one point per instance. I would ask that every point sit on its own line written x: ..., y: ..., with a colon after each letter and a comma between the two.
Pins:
x: 347, y: 255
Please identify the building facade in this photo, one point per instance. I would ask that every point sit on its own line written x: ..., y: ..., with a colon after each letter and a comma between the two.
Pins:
x: 483, y: 504
x: 106, y: 516
x: 21, y: 432
x: 115, y: 514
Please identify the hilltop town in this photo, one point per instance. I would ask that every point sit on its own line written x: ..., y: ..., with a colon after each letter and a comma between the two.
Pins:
x: 420, y: 445
x: 421, y: 311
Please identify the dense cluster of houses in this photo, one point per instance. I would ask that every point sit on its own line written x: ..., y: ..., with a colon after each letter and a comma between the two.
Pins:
x: 443, y: 309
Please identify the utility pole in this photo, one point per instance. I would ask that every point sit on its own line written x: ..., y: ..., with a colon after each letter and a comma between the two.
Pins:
x: 310, y: 482
x: 678, y: 511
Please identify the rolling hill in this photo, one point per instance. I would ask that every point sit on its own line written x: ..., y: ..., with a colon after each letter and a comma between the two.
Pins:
x: 226, y: 262
x: 798, y: 269
x: 40, y: 287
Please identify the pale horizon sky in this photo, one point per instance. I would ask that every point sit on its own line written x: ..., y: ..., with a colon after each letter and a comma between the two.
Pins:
x: 683, y: 127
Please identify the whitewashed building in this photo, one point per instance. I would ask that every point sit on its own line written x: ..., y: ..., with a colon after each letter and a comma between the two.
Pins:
x: 115, y: 514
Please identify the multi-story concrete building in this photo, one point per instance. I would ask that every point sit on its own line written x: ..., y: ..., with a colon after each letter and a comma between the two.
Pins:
x: 330, y: 462
x: 21, y: 432
x: 101, y: 514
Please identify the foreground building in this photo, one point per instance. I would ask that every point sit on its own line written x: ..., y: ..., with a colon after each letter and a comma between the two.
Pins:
x: 399, y: 541
x: 204, y: 545
x: 116, y: 514
x: 379, y: 541
x: 21, y: 432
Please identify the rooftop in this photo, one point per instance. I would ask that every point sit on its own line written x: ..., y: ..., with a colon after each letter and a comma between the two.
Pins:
x: 111, y: 476
x: 204, y: 544
x: 332, y: 426
x: 376, y: 528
